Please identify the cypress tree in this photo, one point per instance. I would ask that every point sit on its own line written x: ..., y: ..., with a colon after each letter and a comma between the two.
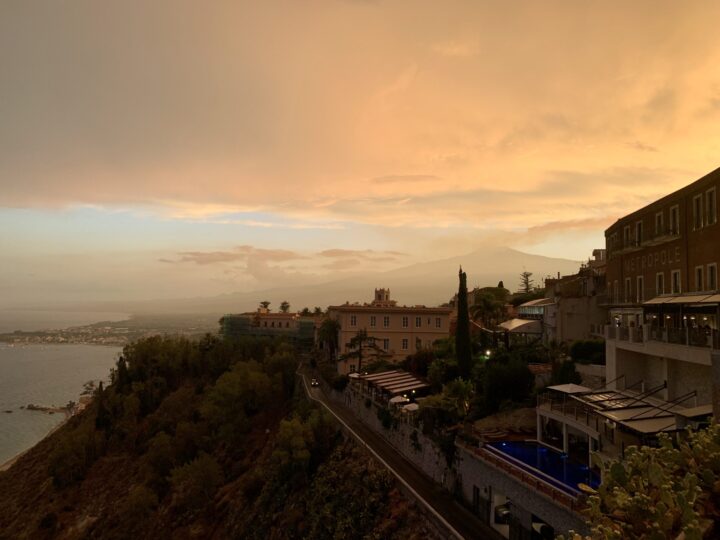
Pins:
x: 462, y: 331
x: 102, y: 418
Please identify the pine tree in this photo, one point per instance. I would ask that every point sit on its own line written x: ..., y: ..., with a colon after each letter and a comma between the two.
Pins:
x: 462, y: 331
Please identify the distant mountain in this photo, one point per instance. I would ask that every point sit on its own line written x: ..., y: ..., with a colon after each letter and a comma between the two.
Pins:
x: 429, y: 283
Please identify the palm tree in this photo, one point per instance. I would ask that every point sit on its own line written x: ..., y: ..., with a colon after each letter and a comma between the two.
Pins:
x: 284, y: 306
x: 265, y: 304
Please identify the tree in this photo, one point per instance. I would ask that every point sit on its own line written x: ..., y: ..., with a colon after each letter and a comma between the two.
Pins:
x: 489, y: 306
x: 526, y: 282
x: 462, y: 330
x: 305, y: 312
x: 265, y: 304
x: 318, y: 310
x: 359, y: 343
x: 328, y: 335
x: 102, y: 416
x: 501, y: 285
x: 285, y: 306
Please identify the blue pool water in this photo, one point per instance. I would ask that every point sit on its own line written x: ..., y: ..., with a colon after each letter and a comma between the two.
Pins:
x: 551, y: 462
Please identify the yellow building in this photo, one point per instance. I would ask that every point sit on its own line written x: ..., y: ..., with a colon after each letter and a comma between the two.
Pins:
x: 393, y: 331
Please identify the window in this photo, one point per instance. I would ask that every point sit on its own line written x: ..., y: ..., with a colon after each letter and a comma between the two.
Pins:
x: 352, y: 368
x: 712, y: 283
x: 418, y: 344
x: 438, y: 322
x: 626, y: 236
x: 699, y: 278
x: 675, y: 220
x: 353, y: 320
x: 287, y: 325
x: 640, y: 290
x: 697, y: 212
x: 628, y: 290
x: 660, y: 283
x: 418, y: 322
x: 710, y: 213
x: 265, y: 324
x: 638, y: 233
x: 406, y: 322
x: 373, y: 321
x: 405, y: 344
x: 616, y: 293
x: 659, y: 223
x: 675, y: 282
x: 386, y: 344
x: 386, y: 321
x: 272, y: 324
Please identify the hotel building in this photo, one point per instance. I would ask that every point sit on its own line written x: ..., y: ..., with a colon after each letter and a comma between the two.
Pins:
x: 396, y: 331
x: 662, y: 340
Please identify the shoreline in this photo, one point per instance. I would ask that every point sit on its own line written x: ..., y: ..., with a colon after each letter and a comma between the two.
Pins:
x: 10, y: 462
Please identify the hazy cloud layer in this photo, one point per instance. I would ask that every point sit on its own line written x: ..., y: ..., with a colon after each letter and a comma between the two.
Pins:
x: 349, y: 129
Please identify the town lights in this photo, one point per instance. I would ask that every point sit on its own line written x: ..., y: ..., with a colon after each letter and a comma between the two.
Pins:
x: 488, y: 352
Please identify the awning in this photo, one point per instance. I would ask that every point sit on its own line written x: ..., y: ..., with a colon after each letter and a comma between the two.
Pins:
x: 411, y: 407
x: 659, y: 300
x: 522, y: 326
x: 539, y: 302
x: 569, y: 388
x: 398, y: 399
x: 689, y: 299
x: 696, y: 412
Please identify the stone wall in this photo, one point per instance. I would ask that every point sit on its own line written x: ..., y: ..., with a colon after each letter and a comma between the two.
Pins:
x: 469, y: 471
x: 424, y: 454
x: 488, y: 480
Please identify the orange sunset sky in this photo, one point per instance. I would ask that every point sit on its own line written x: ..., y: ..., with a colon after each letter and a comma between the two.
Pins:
x: 178, y: 148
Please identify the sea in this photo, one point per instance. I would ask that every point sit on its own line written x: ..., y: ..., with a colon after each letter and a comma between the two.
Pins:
x: 46, y: 375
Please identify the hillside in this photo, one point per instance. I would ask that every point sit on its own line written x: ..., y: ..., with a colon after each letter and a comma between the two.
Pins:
x: 429, y: 283
x: 202, y: 440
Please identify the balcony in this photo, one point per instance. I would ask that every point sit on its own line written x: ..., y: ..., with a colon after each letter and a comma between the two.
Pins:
x: 686, y: 344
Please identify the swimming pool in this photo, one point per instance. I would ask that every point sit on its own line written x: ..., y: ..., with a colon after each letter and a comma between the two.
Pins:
x: 548, y: 461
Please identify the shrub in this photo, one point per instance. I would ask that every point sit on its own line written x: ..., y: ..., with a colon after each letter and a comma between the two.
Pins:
x: 140, y: 504
x: 195, y: 483
x: 385, y: 417
x: 340, y: 382
x: 415, y: 441
x: 591, y: 351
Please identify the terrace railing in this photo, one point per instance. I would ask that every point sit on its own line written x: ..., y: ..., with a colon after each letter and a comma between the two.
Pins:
x: 695, y: 337
x: 560, y: 496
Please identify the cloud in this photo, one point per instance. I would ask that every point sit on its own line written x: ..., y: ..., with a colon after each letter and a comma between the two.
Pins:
x: 366, y: 254
x: 241, y: 253
x: 457, y: 48
x: 402, y: 178
x: 638, y: 145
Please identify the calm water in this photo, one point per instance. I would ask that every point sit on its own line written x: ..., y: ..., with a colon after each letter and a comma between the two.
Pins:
x: 44, y: 375
x: 33, y: 320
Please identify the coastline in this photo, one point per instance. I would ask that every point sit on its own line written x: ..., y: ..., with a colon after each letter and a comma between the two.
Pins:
x: 10, y: 462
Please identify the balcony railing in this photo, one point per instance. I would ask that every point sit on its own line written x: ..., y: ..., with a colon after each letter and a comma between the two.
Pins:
x: 694, y: 337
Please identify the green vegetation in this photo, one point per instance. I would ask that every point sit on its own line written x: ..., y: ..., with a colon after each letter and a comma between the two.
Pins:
x: 463, y: 351
x: 197, y: 439
x: 591, y: 351
x: 661, y: 492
